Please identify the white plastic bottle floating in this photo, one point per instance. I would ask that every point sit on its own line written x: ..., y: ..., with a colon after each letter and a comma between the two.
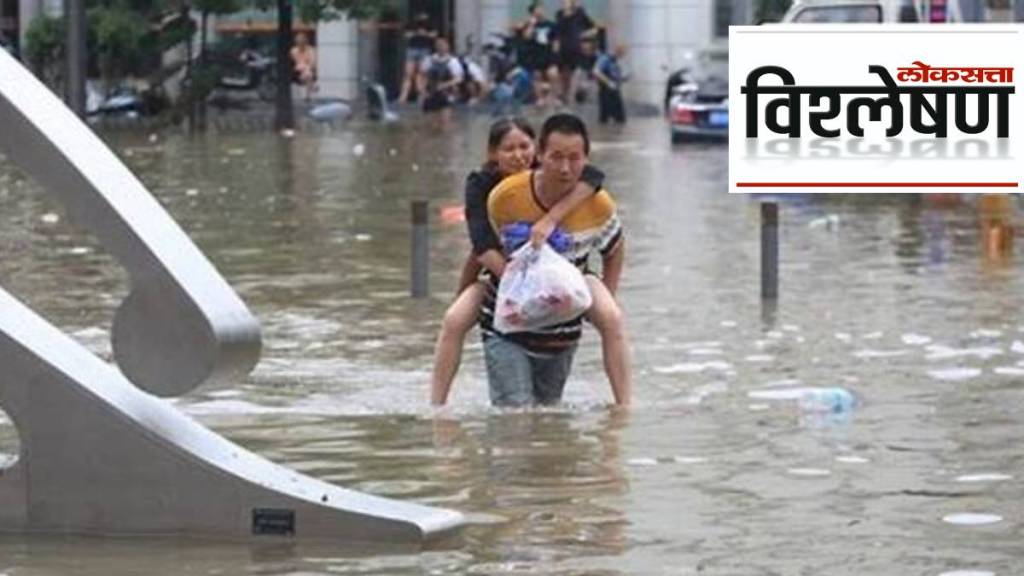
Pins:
x: 833, y: 400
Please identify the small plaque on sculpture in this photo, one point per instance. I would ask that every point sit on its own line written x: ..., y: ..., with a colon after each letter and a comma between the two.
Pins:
x: 273, y: 522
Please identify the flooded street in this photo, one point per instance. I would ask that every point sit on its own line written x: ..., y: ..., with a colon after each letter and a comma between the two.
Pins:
x: 720, y: 468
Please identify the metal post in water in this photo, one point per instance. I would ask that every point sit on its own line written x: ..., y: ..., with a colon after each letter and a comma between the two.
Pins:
x: 769, y: 251
x: 420, y: 249
x: 75, y: 10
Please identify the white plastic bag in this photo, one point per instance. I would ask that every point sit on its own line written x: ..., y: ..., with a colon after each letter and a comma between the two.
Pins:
x: 539, y: 288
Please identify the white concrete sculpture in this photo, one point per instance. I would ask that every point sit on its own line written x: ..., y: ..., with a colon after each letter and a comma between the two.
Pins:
x: 99, y: 455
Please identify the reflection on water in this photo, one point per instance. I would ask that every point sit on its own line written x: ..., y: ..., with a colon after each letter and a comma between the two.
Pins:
x: 911, y: 303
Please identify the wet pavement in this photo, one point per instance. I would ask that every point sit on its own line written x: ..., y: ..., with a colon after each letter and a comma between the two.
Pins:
x: 911, y: 304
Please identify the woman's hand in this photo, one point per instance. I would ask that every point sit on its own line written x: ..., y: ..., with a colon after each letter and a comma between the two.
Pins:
x: 541, y: 230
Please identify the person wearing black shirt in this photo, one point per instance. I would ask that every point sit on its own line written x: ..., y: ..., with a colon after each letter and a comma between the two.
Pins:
x: 572, y: 26
x: 419, y: 43
x: 536, y: 52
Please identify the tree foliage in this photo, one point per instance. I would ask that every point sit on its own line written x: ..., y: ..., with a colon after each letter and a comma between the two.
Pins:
x: 128, y: 37
x: 45, y: 43
x: 123, y: 37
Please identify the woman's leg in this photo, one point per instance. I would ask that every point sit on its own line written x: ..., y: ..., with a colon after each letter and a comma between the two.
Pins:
x: 607, y: 318
x: 458, y: 320
x: 409, y: 74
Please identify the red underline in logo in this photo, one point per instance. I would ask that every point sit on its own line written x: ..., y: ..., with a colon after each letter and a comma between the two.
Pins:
x: 876, y: 184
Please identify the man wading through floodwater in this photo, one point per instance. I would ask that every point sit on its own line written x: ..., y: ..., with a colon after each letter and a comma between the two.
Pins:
x: 528, y: 368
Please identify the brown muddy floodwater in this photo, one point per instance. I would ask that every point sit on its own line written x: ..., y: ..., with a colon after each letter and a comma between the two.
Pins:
x: 906, y: 302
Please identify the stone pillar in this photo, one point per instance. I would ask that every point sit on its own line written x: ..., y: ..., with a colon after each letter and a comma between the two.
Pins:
x: 661, y: 34
x: 468, y: 22
x: 495, y: 16
x: 338, y: 57
x: 28, y: 10
x: 618, y: 23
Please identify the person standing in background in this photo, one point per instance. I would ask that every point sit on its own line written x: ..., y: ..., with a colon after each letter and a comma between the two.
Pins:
x: 303, y: 57
x: 610, y: 76
x: 419, y: 43
x: 572, y: 26
x: 537, y: 53
x: 443, y: 74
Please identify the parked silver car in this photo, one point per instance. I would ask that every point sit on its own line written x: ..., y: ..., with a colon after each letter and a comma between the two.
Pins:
x: 697, y: 98
x: 871, y: 11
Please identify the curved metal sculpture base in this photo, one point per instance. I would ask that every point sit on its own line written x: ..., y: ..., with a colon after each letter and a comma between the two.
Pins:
x: 99, y: 455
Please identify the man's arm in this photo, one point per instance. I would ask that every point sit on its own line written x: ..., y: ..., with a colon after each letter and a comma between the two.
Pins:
x: 590, y: 29
x: 602, y: 77
x: 611, y: 265
x: 455, y: 69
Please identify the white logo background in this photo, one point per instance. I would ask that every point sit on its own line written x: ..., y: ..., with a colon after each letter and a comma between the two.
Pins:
x: 839, y: 55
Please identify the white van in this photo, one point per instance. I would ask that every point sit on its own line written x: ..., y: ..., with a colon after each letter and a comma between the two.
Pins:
x: 871, y: 11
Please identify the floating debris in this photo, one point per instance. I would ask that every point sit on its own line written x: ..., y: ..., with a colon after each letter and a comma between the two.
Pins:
x: 955, y: 374
x: 830, y: 222
x: 1009, y: 371
x: 915, y: 339
x: 643, y: 462
x: 939, y: 352
x: 990, y: 477
x: 867, y: 353
x: 809, y: 472
x: 693, y: 367
x: 972, y: 519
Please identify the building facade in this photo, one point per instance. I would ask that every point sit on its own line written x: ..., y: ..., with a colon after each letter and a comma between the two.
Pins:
x: 661, y: 35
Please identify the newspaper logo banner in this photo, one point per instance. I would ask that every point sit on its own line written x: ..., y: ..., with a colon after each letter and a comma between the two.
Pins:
x: 866, y: 108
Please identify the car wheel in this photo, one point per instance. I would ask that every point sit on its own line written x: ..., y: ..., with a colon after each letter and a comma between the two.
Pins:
x: 678, y: 138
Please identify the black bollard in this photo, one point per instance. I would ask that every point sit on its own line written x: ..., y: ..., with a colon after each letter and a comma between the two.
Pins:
x: 769, y: 251
x: 76, y: 55
x: 420, y: 249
